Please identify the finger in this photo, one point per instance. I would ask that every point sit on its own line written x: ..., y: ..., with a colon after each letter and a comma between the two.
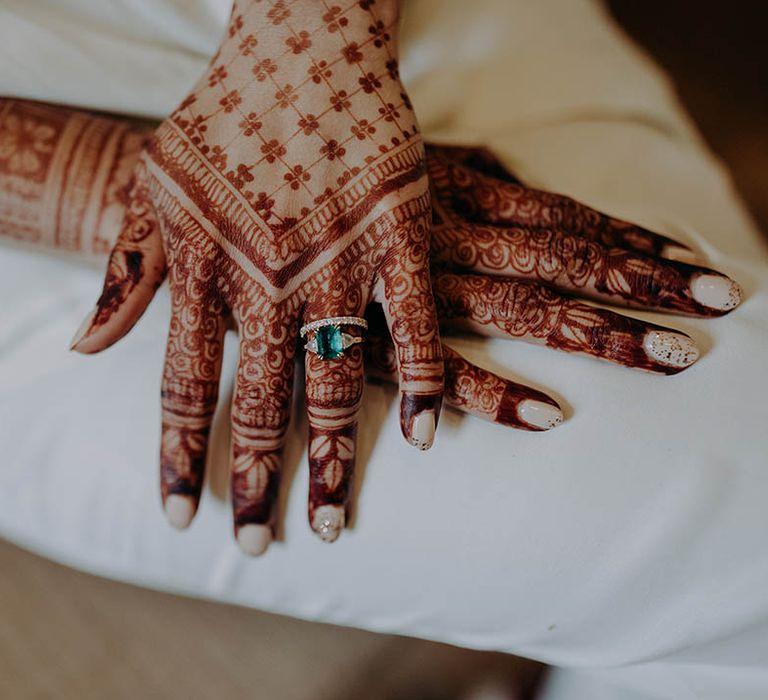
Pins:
x: 580, y: 266
x: 260, y: 415
x: 135, y: 270
x: 528, y: 311
x: 334, y: 388
x: 482, y: 393
x: 189, y: 391
x: 480, y: 197
x: 472, y: 389
x: 405, y: 291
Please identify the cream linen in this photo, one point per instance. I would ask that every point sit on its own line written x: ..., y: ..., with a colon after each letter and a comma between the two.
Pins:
x: 627, y: 546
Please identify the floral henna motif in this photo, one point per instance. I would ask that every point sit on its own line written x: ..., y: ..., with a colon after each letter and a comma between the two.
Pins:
x: 468, y: 388
x: 289, y: 186
x: 334, y: 391
x: 559, y: 242
x: 212, y: 272
x: 64, y: 175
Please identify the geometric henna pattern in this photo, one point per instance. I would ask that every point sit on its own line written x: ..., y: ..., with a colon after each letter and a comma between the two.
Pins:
x: 67, y: 179
x: 290, y: 185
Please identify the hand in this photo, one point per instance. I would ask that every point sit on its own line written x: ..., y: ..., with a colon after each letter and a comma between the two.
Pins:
x: 95, y: 146
x: 506, y: 261
x: 288, y: 187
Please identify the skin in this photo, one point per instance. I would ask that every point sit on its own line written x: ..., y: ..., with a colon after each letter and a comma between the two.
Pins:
x: 289, y: 186
x: 68, y: 181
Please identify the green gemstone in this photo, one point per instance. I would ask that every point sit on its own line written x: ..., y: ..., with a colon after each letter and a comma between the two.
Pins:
x: 330, y: 344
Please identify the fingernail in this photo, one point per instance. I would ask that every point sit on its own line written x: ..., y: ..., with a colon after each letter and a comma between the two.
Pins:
x: 328, y: 522
x: 679, y: 253
x: 423, y: 430
x: 672, y: 349
x: 179, y: 510
x: 254, y: 539
x: 540, y: 415
x: 716, y: 291
x: 82, y: 330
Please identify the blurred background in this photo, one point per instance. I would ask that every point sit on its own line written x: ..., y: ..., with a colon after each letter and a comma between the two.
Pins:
x: 717, y: 54
x: 65, y: 634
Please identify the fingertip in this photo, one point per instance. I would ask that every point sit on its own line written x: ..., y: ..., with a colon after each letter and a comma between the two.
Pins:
x: 676, y: 351
x: 254, y: 539
x: 423, y: 430
x: 539, y: 415
x: 82, y: 331
x: 716, y: 291
x: 328, y: 521
x: 419, y: 416
x: 180, y: 510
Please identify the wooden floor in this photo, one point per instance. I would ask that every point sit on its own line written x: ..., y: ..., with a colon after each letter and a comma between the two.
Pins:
x: 67, y: 635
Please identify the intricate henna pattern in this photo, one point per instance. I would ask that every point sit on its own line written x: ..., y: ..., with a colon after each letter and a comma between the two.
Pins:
x: 290, y: 185
x: 64, y: 175
x: 495, y: 226
x: 213, y: 258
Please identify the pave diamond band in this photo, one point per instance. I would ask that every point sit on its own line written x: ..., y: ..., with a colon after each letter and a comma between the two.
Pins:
x: 333, y: 321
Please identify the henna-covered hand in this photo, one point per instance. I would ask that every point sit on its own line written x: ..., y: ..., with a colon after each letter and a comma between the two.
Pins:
x: 64, y: 175
x: 510, y: 258
x: 289, y: 186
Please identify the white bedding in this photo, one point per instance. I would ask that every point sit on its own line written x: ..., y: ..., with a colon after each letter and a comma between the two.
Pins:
x: 629, y: 543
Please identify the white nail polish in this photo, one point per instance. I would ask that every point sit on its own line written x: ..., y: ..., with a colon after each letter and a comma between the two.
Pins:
x: 423, y: 430
x: 539, y: 414
x: 716, y: 292
x: 671, y: 349
x: 82, y: 330
x: 254, y: 539
x: 679, y: 253
x: 328, y: 522
x: 180, y: 510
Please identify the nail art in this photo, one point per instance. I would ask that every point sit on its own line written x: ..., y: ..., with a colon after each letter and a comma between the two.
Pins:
x: 716, y: 291
x: 671, y: 349
x: 328, y: 521
x: 538, y: 414
x: 423, y: 430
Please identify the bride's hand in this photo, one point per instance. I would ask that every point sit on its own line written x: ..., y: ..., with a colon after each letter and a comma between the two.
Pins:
x: 289, y: 187
x: 508, y: 261
x: 477, y: 201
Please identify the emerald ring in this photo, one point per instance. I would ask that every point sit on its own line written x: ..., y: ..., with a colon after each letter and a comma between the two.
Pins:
x: 328, y: 341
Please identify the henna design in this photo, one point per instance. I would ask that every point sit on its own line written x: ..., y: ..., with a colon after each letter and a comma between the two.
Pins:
x: 208, y: 284
x: 479, y: 188
x: 555, y: 240
x: 524, y: 310
x: 64, y: 175
x: 468, y: 388
x: 289, y: 185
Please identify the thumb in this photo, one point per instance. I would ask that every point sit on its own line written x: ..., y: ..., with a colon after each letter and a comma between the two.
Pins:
x: 135, y: 270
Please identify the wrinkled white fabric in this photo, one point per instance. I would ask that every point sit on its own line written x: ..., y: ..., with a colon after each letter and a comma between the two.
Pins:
x: 628, y: 544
